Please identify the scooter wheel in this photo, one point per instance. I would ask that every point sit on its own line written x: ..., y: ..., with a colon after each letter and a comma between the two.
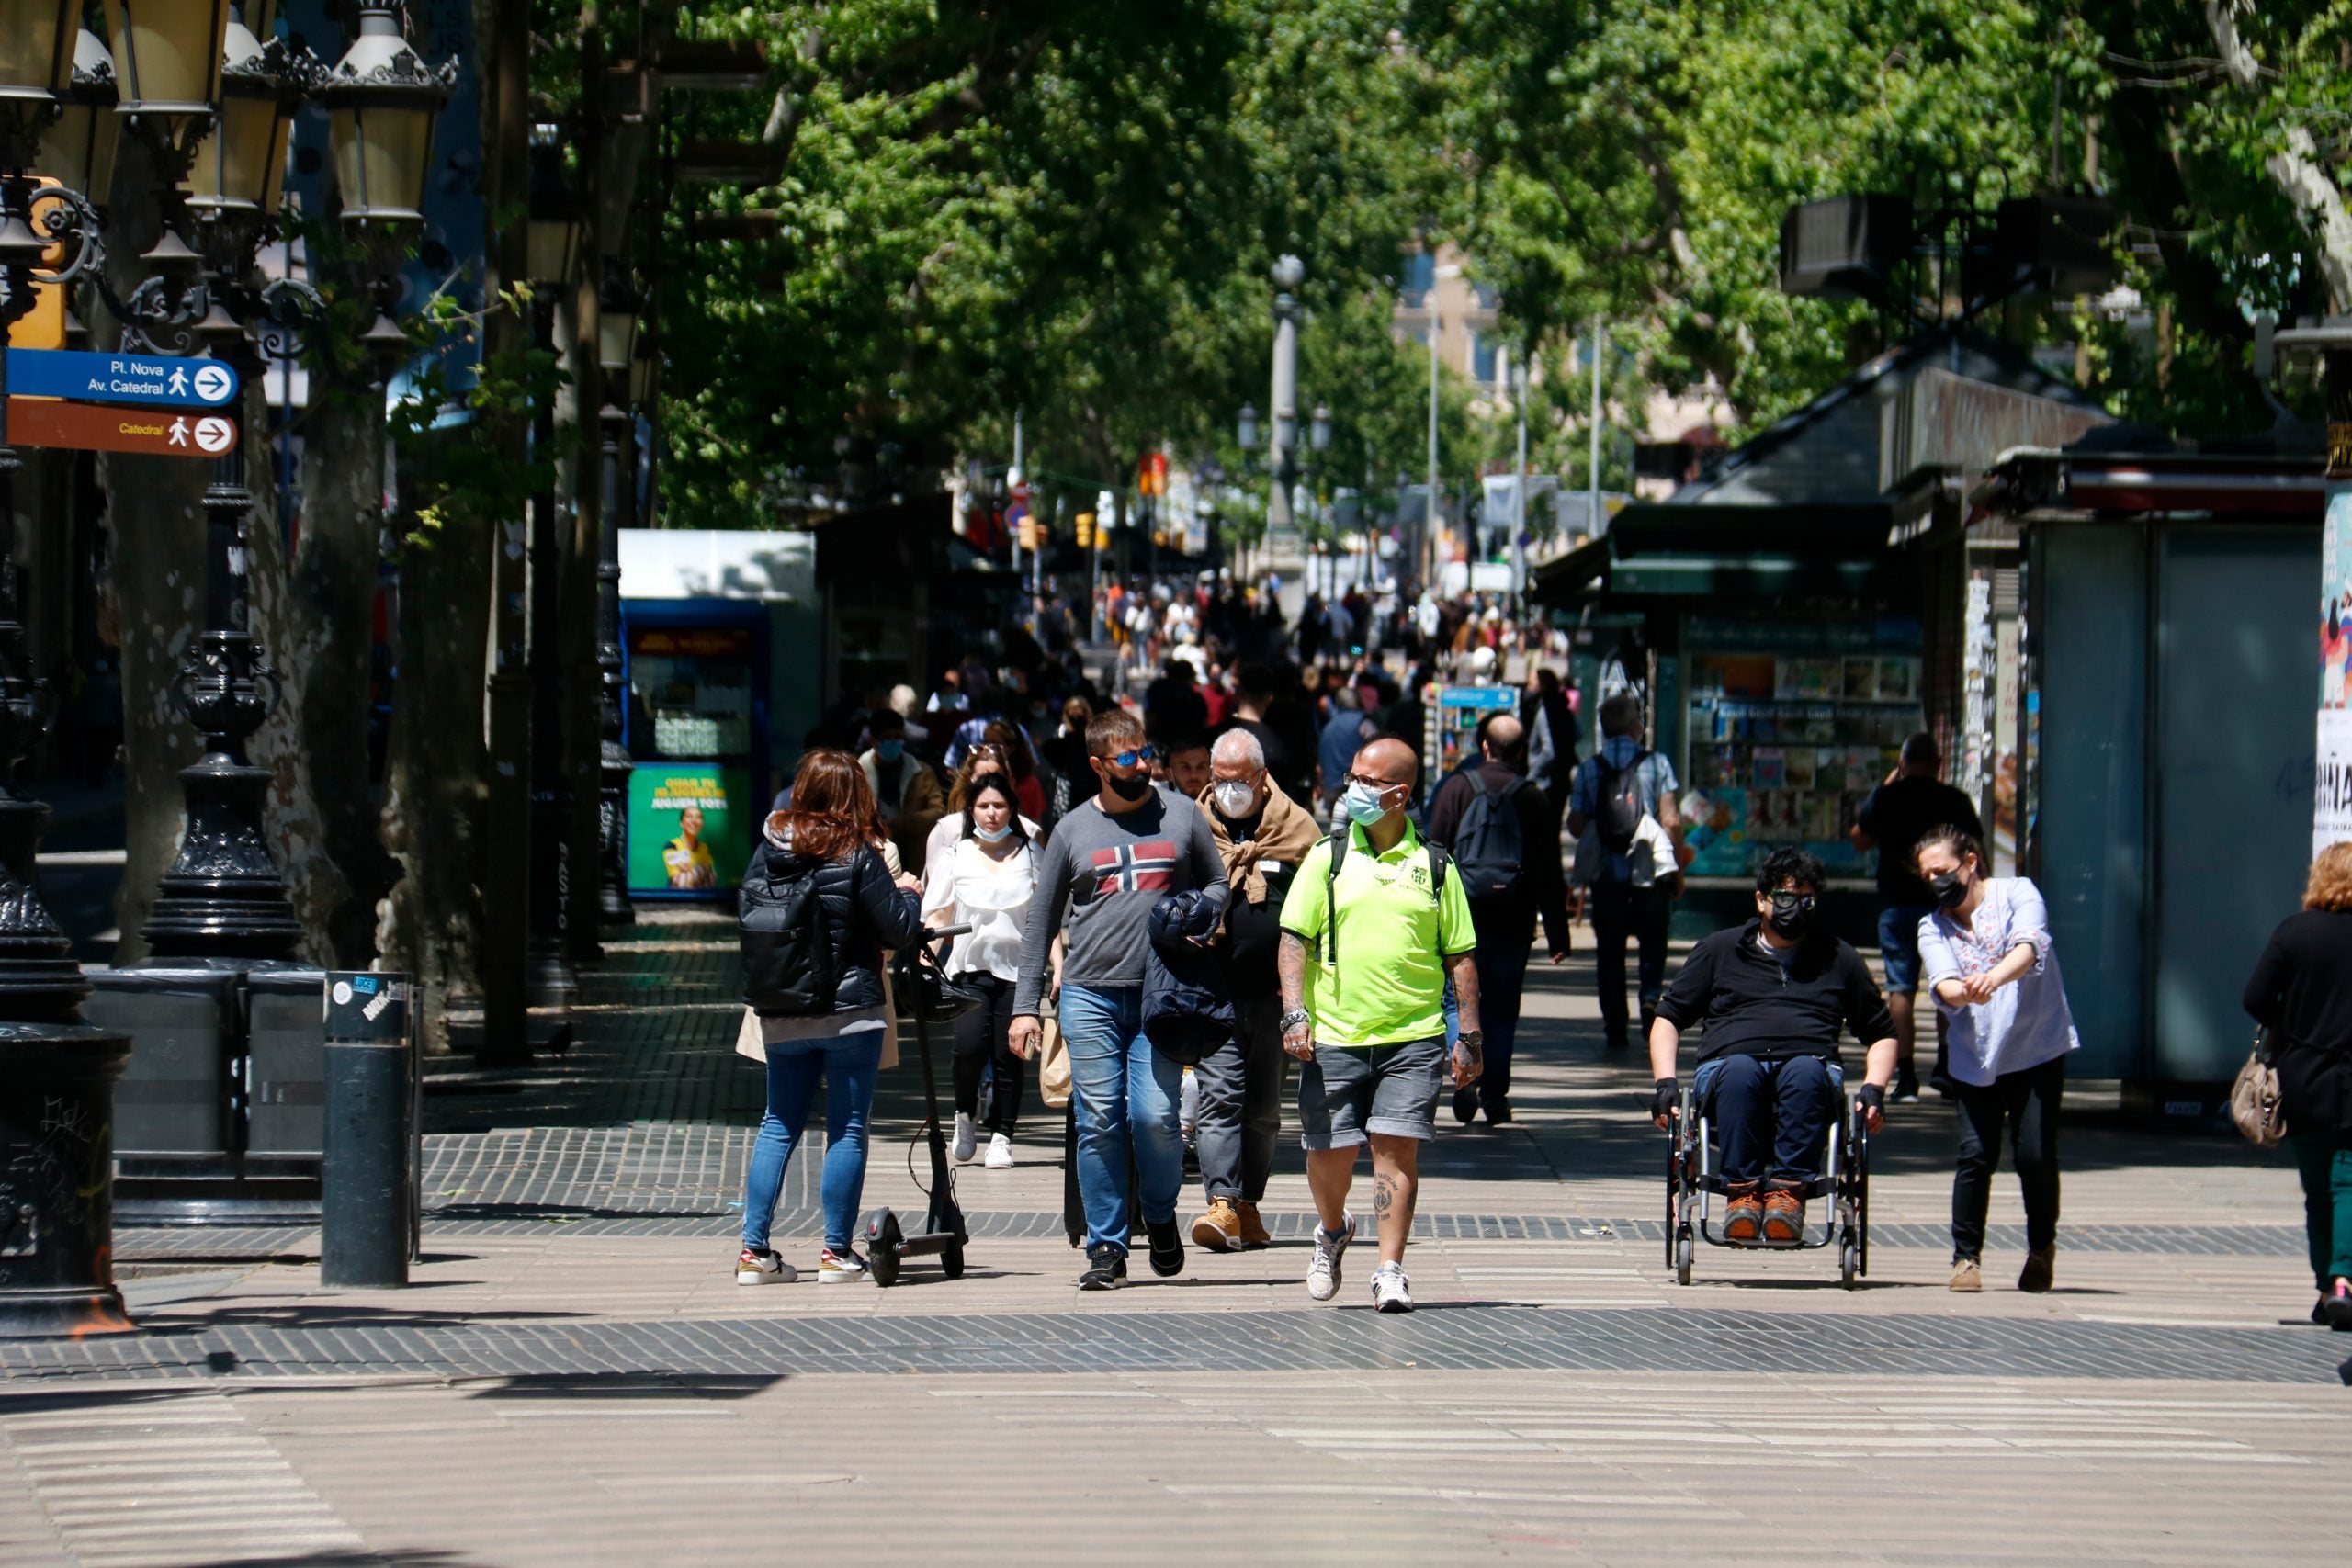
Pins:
x: 883, y: 1237
x: 951, y: 1260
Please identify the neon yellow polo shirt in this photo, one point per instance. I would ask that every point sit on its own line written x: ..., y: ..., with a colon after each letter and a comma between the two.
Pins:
x: 1389, y: 984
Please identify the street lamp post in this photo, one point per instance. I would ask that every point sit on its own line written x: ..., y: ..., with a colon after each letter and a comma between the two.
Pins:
x: 1289, y: 272
x: 56, y: 1109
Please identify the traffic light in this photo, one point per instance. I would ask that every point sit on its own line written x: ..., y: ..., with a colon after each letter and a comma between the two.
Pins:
x: 1032, y: 533
x: 1085, y: 530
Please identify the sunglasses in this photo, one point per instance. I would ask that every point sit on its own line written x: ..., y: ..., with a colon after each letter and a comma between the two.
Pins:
x: 1133, y: 758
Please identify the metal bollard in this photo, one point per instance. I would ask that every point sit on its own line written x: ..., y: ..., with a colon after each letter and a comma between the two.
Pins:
x: 367, y: 1184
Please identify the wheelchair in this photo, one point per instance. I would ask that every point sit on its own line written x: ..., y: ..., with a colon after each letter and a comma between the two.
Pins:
x: 1692, y: 1179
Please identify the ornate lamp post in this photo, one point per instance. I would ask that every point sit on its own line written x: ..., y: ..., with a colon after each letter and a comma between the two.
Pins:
x: 223, y: 895
x: 56, y: 1152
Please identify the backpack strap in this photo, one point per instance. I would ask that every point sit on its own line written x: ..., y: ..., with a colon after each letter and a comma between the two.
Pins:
x: 1338, y: 843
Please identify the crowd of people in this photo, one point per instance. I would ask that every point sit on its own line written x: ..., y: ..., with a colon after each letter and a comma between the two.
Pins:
x: 1248, y: 860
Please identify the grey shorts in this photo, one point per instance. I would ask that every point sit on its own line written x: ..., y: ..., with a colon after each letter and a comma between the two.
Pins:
x: 1347, y: 1093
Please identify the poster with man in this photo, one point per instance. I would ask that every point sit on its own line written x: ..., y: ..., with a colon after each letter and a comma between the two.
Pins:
x: 689, y: 829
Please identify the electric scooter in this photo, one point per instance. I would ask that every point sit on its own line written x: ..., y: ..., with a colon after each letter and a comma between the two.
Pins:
x: 928, y: 996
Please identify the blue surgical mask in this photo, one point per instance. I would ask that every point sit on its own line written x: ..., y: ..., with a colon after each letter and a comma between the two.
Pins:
x: 993, y: 835
x: 1361, y: 802
x: 889, y: 750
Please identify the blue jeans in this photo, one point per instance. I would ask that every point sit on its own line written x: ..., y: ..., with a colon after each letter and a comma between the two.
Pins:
x: 847, y: 1063
x: 1781, y: 1109
x: 1127, y: 1095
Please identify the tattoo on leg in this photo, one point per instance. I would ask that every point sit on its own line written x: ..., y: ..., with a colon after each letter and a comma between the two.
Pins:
x: 1383, y: 1196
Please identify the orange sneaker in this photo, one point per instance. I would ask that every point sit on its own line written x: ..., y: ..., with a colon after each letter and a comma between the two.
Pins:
x: 1254, y: 1234
x: 1745, y: 1221
x: 1783, y: 1217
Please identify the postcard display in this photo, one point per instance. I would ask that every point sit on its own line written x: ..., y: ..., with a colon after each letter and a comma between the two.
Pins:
x: 1789, y: 726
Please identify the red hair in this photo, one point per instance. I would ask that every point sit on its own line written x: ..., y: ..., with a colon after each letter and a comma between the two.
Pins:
x: 833, y: 808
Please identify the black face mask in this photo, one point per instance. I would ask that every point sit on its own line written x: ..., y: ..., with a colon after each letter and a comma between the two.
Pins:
x: 1791, y: 914
x: 1129, y: 789
x: 1948, y: 889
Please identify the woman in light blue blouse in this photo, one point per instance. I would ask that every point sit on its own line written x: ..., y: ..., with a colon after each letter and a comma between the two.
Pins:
x: 1986, y: 957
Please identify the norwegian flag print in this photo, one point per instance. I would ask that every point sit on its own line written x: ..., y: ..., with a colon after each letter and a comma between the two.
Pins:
x: 1145, y: 867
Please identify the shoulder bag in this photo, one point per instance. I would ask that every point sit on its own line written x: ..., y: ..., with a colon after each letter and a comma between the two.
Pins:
x: 2255, y: 1102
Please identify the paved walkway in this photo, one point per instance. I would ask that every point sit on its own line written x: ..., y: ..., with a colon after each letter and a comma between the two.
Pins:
x: 574, y: 1376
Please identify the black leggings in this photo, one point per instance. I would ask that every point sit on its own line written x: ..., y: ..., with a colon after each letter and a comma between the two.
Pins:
x: 2028, y: 1103
x: 981, y: 1039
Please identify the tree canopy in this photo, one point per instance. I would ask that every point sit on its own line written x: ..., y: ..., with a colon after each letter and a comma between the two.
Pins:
x: 1069, y: 209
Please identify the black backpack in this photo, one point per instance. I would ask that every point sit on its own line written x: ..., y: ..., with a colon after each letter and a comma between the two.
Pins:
x: 789, y: 967
x: 1617, y: 807
x: 1489, y: 846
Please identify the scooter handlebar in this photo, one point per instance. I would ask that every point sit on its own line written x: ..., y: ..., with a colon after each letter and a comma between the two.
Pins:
x: 963, y: 929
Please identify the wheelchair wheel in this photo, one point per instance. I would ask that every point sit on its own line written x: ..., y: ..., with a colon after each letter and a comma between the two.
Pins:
x: 1683, y: 1248
x: 1862, y: 1199
x: 1673, y: 1187
x: 1849, y: 1261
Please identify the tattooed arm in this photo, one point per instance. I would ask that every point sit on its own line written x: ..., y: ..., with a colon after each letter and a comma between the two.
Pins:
x: 1290, y: 966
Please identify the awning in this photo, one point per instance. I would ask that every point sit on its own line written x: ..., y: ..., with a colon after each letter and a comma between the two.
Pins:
x: 1666, y: 551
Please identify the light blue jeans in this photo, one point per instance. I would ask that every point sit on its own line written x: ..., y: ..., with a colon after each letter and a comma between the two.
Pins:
x: 1127, y: 1095
x: 847, y: 1063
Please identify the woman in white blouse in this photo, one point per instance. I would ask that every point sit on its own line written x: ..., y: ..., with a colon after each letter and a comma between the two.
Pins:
x: 985, y: 879
x: 1986, y: 955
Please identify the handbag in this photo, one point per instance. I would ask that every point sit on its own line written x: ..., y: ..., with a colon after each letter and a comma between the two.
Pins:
x: 2256, y: 1104
x: 1053, y: 1064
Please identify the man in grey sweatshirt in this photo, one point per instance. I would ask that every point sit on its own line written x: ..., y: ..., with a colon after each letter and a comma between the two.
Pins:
x: 1109, y: 861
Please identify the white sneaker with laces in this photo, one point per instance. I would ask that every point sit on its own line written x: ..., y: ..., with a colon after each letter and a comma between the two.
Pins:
x: 1323, y: 1268
x: 837, y: 1269
x: 968, y: 1138
x: 763, y: 1269
x: 999, y: 1155
x: 1391, y: 1291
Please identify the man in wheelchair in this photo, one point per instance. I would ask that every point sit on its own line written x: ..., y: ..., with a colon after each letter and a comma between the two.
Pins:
x: 1775, y: 994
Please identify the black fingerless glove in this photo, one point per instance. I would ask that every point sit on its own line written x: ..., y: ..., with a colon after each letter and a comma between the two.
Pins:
x: 1872, y: 1098
x: 1670, y: 1097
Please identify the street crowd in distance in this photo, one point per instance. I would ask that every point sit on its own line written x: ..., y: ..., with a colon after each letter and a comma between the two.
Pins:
x: 1225, y: 889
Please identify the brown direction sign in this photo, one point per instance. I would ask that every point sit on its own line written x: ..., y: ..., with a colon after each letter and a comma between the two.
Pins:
x: 92, y: 427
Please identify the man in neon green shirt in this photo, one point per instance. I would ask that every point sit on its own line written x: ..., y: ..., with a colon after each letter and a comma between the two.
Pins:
x: 1366, y: 950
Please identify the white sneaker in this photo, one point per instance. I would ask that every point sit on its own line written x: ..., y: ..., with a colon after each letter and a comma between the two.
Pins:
x: 999, y: 1152
x: 968, y: 1138
x: 1391, y: 1291
x: 1323, y: 1268
x: 838, y: 1269
x: 763, y: 1269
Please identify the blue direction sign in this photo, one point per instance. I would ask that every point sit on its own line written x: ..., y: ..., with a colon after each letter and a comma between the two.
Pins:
x: 148, y: 379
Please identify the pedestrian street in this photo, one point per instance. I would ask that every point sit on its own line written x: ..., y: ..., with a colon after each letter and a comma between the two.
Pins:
x: 575, y: 1377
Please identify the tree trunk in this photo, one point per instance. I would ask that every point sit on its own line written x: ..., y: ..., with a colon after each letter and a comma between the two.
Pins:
x: 433, y: 796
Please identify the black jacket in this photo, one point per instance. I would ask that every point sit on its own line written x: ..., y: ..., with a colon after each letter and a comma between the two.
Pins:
x: 1187, y: 1012
x: 865, y: 913
x: 2301, y: 988
x: 1753, y: 1007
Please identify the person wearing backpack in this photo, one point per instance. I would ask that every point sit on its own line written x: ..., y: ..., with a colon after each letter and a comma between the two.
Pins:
x: 818, y: 911
x: 1499, y: 827
x: 1613, y: 789
x: 1374, y: 925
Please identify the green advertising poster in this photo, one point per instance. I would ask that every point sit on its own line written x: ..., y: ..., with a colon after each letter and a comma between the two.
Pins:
x: 690, y: 828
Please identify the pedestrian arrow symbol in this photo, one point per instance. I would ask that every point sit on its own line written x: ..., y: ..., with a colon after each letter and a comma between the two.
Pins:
x: 215, y: 434
x: 214, y: 384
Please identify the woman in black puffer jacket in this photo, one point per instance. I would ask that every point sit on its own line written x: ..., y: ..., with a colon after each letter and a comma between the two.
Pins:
x: 826, y: 834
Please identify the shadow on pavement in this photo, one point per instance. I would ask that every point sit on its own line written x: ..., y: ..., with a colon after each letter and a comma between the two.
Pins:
x: 623, y: 1385
x: 323, y: 1314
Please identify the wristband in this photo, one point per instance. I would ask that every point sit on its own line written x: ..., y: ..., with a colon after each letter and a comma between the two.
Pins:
x: 1294, y: 1017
